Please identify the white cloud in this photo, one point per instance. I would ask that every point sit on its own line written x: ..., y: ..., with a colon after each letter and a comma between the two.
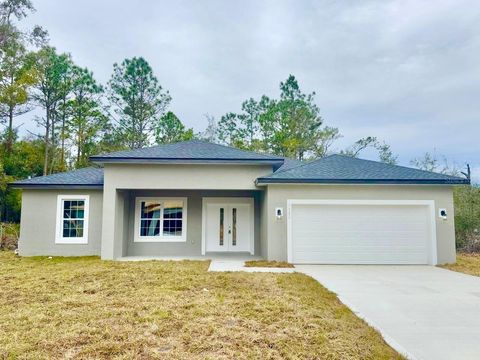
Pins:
x: 405, y: 71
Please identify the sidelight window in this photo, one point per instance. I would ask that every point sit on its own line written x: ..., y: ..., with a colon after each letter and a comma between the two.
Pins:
x: 222, y: 221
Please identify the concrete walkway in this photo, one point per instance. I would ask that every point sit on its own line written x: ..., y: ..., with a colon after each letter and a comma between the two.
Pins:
x: 218, y: 262
x: 238, y: 265
x: 234, y: 256
x: 423, y: 312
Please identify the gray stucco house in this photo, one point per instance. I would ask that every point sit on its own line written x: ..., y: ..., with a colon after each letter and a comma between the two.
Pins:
x: 197, y: 198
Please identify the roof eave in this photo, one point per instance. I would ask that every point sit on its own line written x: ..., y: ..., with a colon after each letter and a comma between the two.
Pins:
x: 266, y: 181
x: 56, y: 186
x: 137, y: 160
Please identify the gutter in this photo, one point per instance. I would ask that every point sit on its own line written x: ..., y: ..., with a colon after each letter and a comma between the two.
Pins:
x: 459, y: 181
x: 55, y: 186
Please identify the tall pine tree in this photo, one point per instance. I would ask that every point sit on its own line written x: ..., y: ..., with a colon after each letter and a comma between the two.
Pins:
x: 138, y: 102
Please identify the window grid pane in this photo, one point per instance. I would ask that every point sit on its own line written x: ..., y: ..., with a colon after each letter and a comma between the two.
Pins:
x: 172, y: 218
x: 150, y: 210
x: 73, y: 218
x: 150, y: 214
x: 172, y: 227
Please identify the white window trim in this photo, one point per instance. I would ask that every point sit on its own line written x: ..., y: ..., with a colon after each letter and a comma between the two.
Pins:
x: 59, y: 239
x: 161, y: 238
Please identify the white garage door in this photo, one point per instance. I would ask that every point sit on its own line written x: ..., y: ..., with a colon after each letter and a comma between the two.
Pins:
x: 340, y: 232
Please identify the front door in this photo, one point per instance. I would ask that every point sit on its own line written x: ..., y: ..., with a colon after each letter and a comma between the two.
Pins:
x: 228, y: 225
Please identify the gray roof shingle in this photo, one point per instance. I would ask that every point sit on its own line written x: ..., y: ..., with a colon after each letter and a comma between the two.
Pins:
x: 334, y: 169
x: 338, y: 169
x: 289, y: 164
x: 90, y: 177
x: 194, y: 150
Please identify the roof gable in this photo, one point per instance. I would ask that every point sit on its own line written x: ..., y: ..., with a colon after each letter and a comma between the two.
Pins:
x: 346, y: 169
x: 188, y: 151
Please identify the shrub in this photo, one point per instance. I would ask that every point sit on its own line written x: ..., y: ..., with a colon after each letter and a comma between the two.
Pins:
x: 470, y: 242
x: 9, y: 236
x: 467, y: 218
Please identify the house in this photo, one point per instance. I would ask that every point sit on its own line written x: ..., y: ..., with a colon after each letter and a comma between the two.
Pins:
x: 197, y: 198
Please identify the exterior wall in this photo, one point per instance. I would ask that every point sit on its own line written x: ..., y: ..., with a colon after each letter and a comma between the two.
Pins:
x: 192, y: 247
x: 263, y: 211
x: 38, y: 224
x: 184, y: 176
x: 118, y: 177
x: 277, y: 196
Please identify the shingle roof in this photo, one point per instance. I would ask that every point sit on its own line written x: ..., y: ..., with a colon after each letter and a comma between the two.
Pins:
x: 338, y: 169
x: 289, y: 164
x: 90, y: 177
x: 193, y: 151
x: 334, y: 169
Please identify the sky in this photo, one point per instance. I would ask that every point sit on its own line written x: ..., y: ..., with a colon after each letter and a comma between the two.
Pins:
x: 407, y: 72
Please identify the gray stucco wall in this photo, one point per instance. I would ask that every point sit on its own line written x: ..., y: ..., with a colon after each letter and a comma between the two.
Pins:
x: 277, y: 196
x: 38, y: 224
x: 39, y: 207
x: 192, y: 247
x: 120, y: 178
x: 263, y: 200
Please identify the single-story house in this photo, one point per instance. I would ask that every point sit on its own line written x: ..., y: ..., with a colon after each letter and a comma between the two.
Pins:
x: 196, y: 198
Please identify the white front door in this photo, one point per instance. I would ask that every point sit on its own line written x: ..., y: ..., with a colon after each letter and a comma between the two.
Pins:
x: 228, y: 225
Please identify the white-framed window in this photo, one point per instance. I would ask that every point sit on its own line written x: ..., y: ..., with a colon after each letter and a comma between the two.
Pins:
x: 160, y: 219
x: 72, y: 219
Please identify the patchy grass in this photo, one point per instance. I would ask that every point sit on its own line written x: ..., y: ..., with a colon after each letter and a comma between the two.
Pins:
x: 86, y: 308
x: 270, y: 264
x: 466, y: 263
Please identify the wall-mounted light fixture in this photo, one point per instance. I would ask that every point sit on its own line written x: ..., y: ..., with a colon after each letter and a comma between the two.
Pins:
x: 279, y: 213
x: 442, y: 214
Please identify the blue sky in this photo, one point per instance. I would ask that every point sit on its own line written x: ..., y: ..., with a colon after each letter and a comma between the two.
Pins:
x: 407, y: 72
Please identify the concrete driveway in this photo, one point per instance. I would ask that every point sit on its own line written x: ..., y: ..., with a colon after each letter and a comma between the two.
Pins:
x: 423, y: 312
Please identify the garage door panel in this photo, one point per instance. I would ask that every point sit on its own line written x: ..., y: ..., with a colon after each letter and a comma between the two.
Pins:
x: 363, y: 234
x: 354, y: 257
x: 353, y: 237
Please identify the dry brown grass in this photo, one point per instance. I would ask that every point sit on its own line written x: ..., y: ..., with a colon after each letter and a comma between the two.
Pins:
x: 466, y: 263
x: 84, y: 308
x: 265, y: 263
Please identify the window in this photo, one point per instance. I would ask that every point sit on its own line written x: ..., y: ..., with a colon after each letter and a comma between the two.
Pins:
x: 72, y: 219
x: 150, y: 218
x: 222, y: 211
x: 172, y: 218
x: 234, y: 225
x: 160, y: 219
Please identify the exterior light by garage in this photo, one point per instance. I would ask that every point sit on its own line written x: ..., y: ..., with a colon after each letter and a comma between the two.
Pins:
x: 279, y: 213
x: 442, y: 214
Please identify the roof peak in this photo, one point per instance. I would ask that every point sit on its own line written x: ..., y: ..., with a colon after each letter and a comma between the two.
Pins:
x: 192, y: 150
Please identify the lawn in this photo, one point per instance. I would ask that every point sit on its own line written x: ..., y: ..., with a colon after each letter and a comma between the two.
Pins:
x: 466, y: 263
x: 265, y: 263
x: 86, y: 308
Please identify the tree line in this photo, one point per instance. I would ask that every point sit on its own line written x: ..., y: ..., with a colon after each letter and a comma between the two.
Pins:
x: 78, y: 117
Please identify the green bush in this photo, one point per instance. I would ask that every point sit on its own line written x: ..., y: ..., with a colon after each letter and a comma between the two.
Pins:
x: 9, y: 233
x: 467, y: 218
